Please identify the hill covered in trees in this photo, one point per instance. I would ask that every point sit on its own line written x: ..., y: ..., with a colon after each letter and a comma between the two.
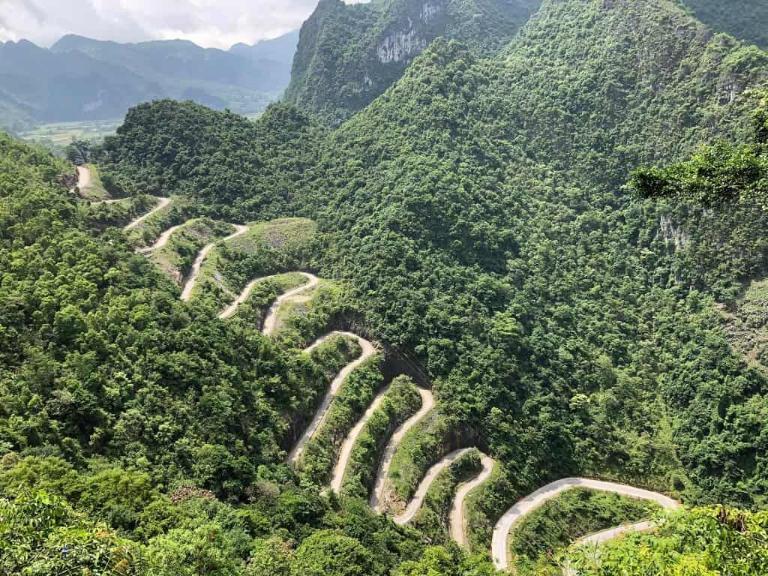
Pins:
x: 744, y: 19
x: 483, y: 196
x: 478, y: 215
x: 349, y: 54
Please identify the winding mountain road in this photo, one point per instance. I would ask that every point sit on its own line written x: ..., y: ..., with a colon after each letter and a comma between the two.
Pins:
x: 499, y: 546
x: 163, y: 239
x: 270, y: 322
x: 379, y: 492
x: 349, y: 442
x: 231, y: 310
x: 163, y: 202
x: 611, y: 533
x: 457, y: 521
x: 189, y: 286
x: 421, y: 492
x: 368, y: 350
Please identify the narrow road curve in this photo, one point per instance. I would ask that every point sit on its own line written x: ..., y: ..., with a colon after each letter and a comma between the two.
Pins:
x: 368, y: 350
x: 499, y: 546
x: 83, y: 177
x: 231, y: 310
x: 189, y: 286
x: 163, y: 202
x: 270, y: 323
x: 605, y: 536
x: 457, y: 521
x: 421, y: 492
x: 611, y: 533
x: 349, y: 442
x: 163, y: 239
x: 379, y: 492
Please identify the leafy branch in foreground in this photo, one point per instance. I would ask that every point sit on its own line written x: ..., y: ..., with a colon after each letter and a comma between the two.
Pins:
x: 718, y: 173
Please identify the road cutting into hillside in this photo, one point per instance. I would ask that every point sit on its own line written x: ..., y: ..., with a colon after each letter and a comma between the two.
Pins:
x: 421, y: 492
x: 499, y: 546
x: 368, y: 351
x: 606, y: 536
x: 189, y: 286
x: 163, y: 239
x: 231, y: 310
x: 163, y: 202
x: 271, y: 321
x: 457, y: 521
x: 349, y: 442
x: 379, y: 492
x: 83, y: 177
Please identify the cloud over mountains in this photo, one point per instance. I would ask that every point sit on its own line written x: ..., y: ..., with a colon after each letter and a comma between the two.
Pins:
x: 209, y: 23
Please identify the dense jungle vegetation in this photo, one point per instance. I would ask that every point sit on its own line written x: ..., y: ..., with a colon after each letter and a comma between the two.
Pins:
x: 561, y: 235
x: 349, y: 54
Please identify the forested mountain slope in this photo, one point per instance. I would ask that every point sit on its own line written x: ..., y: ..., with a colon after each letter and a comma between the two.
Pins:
x: 477, y: 209
x: 235, y: 168
x: 535, y: 291
x: 744, y: 19
x: 349, y: 54
x: 141, y: 435
x: 478, y: 214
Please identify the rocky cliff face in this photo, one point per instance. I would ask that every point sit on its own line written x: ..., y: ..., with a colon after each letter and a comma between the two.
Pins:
x: 350, y: 54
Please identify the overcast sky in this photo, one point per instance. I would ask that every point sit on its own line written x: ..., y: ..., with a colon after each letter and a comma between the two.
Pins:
x: 210, y: 23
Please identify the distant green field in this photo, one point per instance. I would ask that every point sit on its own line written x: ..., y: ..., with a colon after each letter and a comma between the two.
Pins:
x: 62, y: 133
x: 58, y: 135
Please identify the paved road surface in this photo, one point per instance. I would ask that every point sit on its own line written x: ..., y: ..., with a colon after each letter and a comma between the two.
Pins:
x: 349, y: 442
x: 189, y: 286
x: 457, y: 520
x: 368, y: 350
x: 499, y: 547
x: 377, y: 498
x: 270, y: 323
x: 231, y: 310
x: 421, y: 492
x: 163, y: 202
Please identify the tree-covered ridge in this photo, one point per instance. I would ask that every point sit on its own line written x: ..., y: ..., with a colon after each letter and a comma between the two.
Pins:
x: 703, y: 542
x: 232, y: 167
x: 716, y: 175
x: 142, y: 435
x: 476, y: 211
x: 350, y: 54
x: 744, y: 19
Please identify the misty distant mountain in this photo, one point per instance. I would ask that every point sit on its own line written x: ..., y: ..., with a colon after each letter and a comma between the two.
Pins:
x: 84, y: 79
x: 281, y: 49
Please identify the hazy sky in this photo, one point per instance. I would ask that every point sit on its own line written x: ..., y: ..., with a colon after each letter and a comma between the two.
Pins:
x: 210, y: 23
